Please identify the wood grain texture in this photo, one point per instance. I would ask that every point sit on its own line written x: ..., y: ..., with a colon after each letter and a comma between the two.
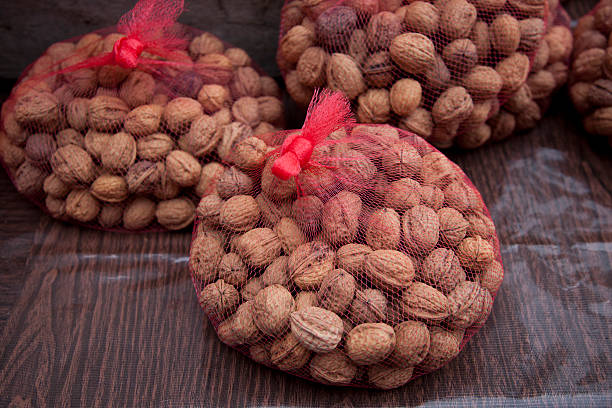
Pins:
x: 97, y: 319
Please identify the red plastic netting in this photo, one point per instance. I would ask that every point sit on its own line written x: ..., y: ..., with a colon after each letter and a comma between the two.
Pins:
x: 591, y: 70
x: 115, y: 129
x: 549, y: 72
x: 345, y: 254
x: 438, y: 69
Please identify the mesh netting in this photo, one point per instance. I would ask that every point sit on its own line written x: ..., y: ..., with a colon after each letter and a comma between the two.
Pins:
x: 591, y: 70
x: 438, y: 69
x: 347, y: 254
x: 117, y: 129
x: 549, y: 72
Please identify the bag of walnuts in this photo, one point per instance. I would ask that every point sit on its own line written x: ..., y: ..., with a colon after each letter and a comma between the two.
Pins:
x: 438, y: 69
x: 549, y: 72
x: 112, y: 129
x: 591, y: 70
x: 345, y: 254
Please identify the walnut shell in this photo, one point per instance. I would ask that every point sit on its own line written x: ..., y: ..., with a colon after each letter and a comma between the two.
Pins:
x: 369, y: 306
x: 239, y: 213
x: 73, y: 165
x: 295, y: 42
x: 245, y: 83
x: 405, y: 96
x: 120, y: 153
x: 422, y: 17
x: 351, y: 257
x: 333, y: 368
x: 109, y: 188
x: 311, y: 66
x: 204, y: 257
x: 475, y: 253
x: 309, y: 264
x: 337, y: 291
x: 179, y: 113
x: 219, y: 300
x: 106, y: 113
x: 444, y: 346
x: 317, y: 329
x: 513, y: 71
x: 389, y: 269
x: 272, y: 309
x: 457, y: 17
x: 259, y: 247
x: 413, y: 52
x: 202, y: 137
x: 422, y: 301
x: 29, y: 179
x: 38, y: 110
x: 82, y: 206
x: 469, y: 304
x: 175, y: 214
x: 233, y: 182
x: 183, y: 168
x: 421, y: 228
x: 288, y: 354
x: 340, y: 218
x: 344, y: 75
x: 370, y: 343
x: 387, y: 378
x: 139, y: 213
x: 214, y: 97
x: 412, y: 344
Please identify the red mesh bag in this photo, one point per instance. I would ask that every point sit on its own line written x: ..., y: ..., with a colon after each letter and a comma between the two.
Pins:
x: 549, y: 72
x: 114, y: 129
x: 438, y: 69
x: 591, y: 70
x: 345, y: 254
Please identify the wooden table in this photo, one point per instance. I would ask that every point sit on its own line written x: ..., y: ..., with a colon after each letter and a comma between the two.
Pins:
x: 89, y: 318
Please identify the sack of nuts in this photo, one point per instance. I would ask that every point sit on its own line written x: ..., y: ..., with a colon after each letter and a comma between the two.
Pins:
x: 112, y: 129
x: 591, y: 70
x: 549, y: 72
x: 345, y: 254
x: 438, y: 69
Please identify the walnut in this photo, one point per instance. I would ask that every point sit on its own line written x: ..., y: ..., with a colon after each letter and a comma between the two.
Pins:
x: 413, y: 52
x: 513, y: 71
x: 231, y: 134
x: 422, y: 17
x: 295, y: 42
x: 29, y: 179
x: 82, y: 206
x: 120, y: 153
x: 401, y: 160
x: 137, y: 89
x: 214, y: 97
x: 378, y: 70
x: 240, y: 213
x: 214, y: 68
x: 109, y: 188
x: 139, y: 213
x: 335, y: 26
x: 238, y: 56
x: 106, y: 113
x: 300, y: 93
x: 179, y: 113
x: 460, y: 56
x: 143, y: 120
x: 482, y: 82
x: 183, y: 168
x: 219, y: 300
x: 381, y: 29
x: 258, y: 247
x: 205, y: 43
x: 246, y: 110
x: 340, y: 218
x: 418, y: 121
x: 202, y: 137
x: 142, y: 177
x: 234, y: 182
x: 311, y: 66
x: 421, y: 228
x: 175, y: 214
x: 452, y: 106
x: 343, y: 74
x: 37, y: 109
x: 374, y: 106
x: 405, y: 96
x: 73, y: 165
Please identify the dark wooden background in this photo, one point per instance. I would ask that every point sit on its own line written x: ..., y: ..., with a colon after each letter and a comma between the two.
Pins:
x: 98, y: 319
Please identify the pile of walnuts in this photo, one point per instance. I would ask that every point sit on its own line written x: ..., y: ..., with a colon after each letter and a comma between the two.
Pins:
x: 438, y: 69
x: 591, y: 70
x: 549, y: 72
x: 371, y: 269
x: 124, y: 149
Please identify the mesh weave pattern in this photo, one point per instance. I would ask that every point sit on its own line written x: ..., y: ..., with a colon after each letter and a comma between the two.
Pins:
x: 115, y: 129
x: 438, y: 69
x: 374, y: 264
